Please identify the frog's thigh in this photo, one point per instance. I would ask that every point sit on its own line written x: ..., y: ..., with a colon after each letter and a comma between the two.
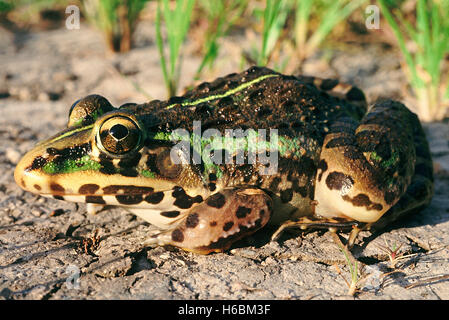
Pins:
x: 366, y: 167
x: 220, y: 220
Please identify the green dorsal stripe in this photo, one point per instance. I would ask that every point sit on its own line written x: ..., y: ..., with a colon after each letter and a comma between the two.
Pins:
x: 223, y: 95
x: 69, y: 133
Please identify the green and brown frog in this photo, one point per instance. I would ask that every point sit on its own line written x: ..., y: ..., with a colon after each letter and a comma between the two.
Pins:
x: 189, y: 167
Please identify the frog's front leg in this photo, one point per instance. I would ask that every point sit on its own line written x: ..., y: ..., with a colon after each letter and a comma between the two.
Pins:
x: 219, y: 221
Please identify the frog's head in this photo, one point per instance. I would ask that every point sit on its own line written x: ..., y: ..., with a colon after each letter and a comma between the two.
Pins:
x: 104, y: 156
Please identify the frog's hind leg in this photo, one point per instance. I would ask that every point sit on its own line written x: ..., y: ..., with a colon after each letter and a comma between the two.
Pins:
x: 366, y: 168
x: 219, y: 221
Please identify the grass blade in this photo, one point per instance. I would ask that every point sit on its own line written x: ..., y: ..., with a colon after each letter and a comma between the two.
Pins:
x: 177, y: 23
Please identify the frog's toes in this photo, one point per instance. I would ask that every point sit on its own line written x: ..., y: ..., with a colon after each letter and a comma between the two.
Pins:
x: 219, y: 221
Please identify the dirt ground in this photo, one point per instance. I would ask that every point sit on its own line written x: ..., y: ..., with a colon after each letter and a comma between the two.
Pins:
x: 52, y: 249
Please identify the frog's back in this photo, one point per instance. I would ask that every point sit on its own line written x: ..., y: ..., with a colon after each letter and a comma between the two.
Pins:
x: 300, y: 109
x: 257, y: 98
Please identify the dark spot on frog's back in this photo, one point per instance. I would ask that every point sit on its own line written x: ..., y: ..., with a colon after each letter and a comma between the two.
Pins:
x: 228, y: 225
x: 170, y: 214
x: 242, y: 212
x: 89, y: 188
x: 129, y: 199
x: 336, y: 180
x: 57, y: 187
x: 183, y: 200
x: 116, y: 189
x: 95, y: 199
x: 177, y: 235
x: 216, y: 200
x: 192, y: 220
x: 155, y: 198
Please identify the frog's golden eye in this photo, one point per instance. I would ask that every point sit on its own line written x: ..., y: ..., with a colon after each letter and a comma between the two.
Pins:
x: 86, y: 110
x: 119, y: 135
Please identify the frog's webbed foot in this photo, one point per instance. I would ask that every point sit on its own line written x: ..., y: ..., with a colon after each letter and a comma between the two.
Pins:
x: 332, y: 224
x: 217, y: 222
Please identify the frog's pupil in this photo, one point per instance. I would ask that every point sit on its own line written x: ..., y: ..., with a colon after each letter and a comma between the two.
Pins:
x: 118, y: 131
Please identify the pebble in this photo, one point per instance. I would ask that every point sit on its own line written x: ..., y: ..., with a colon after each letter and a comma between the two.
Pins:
x: 43, y: 96
x: 36, y: 212
x: 12, y: 155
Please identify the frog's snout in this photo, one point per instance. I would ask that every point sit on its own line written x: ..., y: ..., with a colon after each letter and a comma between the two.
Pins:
x: 29, y: 176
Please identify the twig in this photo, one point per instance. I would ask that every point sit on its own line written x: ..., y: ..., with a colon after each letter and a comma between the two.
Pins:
x: 419, y: 283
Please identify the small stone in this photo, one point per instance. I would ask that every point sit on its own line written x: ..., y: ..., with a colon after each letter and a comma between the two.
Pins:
x: 24, y: 94
x: 43, y: 96
x: 12, y: 155
x: 36, y: 212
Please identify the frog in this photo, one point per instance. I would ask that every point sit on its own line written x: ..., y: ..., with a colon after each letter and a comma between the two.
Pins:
x: 190, y: 167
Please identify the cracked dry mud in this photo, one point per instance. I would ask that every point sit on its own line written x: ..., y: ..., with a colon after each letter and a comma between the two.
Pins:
x: 46, y: 244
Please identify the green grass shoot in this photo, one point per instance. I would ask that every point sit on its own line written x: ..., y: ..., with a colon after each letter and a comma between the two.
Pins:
x: 274, y: 17
x: 177, y: 23
x: 329, y: 13
x: 424, y: 64
x: 117, y: 19
x: 221, y: 15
